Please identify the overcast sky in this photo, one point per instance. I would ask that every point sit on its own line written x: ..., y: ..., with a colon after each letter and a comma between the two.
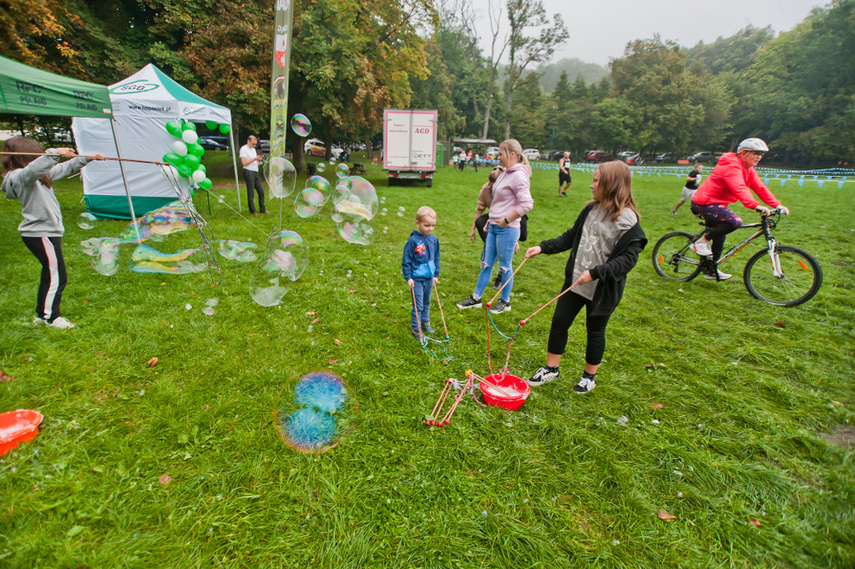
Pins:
x: 600, y: 30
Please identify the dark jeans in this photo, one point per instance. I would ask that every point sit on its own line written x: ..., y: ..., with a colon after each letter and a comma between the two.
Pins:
x: 566, y: 309
x: 422, y: 289
x: 253, y: 182
x: 481, y: 226
x: 48, y: 250
x: 721, y: 220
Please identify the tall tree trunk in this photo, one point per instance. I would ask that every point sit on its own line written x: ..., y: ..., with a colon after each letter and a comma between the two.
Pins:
x: 487, y: 113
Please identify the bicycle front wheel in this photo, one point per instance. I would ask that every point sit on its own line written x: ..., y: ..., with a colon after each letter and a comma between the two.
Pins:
x: 798, y: 281
x: 674, y: 259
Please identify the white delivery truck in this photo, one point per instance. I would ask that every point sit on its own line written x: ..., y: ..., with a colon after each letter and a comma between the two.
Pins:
x: 409, y: 145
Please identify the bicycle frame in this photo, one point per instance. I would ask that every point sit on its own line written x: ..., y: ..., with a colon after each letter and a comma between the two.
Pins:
x: 764, y: 228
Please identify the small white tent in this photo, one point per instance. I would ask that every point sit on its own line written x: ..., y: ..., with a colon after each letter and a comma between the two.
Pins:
x: 142, y: 105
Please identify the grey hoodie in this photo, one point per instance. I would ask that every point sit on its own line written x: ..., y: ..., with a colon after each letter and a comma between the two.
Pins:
x: 42, y: 216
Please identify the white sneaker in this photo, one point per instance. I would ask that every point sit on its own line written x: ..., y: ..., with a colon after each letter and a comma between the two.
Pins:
x: 702, y: 248
x: 61, y: 322
x: 721, y: 276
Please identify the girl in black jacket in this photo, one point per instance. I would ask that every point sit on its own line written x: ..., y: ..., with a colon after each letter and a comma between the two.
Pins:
x: 605, y: 242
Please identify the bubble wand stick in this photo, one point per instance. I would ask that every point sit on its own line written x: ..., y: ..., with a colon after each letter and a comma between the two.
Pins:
x: 441, y: 313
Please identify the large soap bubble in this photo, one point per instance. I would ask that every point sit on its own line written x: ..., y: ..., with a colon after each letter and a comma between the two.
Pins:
x: 285, y: 260
x: 158, y: 224
x: 301, y: 125
x: 281, y: 177
x: 86, y: 220
x: 146, y: 259
x: 355, y: 204
x: 105, y: 254
x: 313, y: 198
x: 318, y: 415
x: 357, y: 232
x: 342, y: 170
x: 241, y: 251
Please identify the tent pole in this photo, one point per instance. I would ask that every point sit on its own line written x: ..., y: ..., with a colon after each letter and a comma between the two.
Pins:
x: 234, y: 161
x: 125, y: 180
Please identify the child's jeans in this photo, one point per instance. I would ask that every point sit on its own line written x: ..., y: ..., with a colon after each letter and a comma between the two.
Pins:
x: 422, y: 289
x: 499, y: 246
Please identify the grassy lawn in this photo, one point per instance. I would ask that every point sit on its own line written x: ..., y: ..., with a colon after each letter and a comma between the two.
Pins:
x: 751, y: 449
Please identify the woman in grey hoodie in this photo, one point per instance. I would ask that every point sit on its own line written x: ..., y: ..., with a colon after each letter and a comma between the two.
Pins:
x: 29, y: 173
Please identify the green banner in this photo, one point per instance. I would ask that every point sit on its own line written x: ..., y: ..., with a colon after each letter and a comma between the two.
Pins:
x: 279, y: 79
x: 26, y: 90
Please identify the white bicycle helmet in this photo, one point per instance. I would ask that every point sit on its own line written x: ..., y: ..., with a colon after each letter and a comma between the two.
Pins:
x: 752, y: 144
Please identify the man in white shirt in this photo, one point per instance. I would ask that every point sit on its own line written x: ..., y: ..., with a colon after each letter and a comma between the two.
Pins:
x: 250, y: 160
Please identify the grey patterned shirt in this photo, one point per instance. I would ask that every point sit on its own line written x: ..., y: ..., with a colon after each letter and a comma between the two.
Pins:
x: 599, y: 236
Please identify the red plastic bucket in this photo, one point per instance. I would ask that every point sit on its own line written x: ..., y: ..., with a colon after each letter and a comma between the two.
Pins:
x: 18, y: 427
x: 516, y: 389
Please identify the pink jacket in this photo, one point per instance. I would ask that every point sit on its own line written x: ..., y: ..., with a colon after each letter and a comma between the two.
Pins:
x: 511, y: 193
x: 731, y: 181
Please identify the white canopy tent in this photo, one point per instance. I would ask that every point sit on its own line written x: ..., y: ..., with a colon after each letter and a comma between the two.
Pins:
x: 142, y: 105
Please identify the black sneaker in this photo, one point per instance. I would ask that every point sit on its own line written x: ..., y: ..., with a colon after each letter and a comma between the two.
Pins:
x: 585, y: 385
x: 497, y: 284
x: 470, y: 302
x: 428, y: 330
x: 501, y: 306
x: 543, y: 375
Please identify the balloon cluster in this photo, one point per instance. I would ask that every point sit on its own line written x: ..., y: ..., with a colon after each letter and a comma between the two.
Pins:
x: 186, y: 155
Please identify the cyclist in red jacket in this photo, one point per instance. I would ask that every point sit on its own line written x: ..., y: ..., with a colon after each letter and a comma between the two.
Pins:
x: 733, y: 179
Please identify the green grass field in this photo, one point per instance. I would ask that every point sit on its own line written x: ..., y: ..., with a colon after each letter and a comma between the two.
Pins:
x: 751, y: 450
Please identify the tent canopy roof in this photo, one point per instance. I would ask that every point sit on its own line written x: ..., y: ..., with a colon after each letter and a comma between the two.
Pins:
x: 26, y: 90
x: 484, y: 141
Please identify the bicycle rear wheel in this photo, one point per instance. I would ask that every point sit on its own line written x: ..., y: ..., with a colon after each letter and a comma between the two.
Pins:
x: 800, y: 279
x: 674, y: 259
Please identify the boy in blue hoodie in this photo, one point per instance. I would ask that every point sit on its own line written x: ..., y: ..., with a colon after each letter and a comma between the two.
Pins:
x: 420, y: 267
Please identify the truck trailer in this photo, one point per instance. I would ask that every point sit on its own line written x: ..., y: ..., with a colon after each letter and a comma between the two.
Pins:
x: 409, y: 145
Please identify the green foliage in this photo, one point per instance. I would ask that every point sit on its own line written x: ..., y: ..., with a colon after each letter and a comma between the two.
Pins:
x: 749, y: 409
x: 733, y: 54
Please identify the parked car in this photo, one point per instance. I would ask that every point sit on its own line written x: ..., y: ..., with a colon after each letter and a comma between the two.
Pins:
x: 532, y: 153
x: 315, y: 147
x: 598, y: 156
x: 211, y: 144
x: 625, y: 155
x: 667, y: 157
x: 703, y: 157
x: 493, y: 151
x: 555, y: 155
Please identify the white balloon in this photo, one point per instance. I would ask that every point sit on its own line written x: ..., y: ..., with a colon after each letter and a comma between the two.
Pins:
x: 189, y: 136
x: 180, y: 148
x: 198, y: 176
x: 169, y: 172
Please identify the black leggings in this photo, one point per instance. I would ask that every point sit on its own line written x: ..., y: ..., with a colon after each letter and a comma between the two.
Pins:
x: 566, y: 309
x: 721, y: 221
x: 48, y: 250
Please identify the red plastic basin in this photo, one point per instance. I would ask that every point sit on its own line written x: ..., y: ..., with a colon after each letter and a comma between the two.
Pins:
x: 517, y: 391
x: 18, y: 427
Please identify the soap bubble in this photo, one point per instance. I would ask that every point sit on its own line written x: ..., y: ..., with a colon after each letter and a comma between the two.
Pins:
x: 86, y: 220
x: 400, y: 214
x: 359, y: 232
x: 241, y: 251
x: 208, y: 310
x: 317, y: 415
x: 285, y: 260
x: 342, y: 170
x: 158, y: 224
x: 301, y: 125
x: 105, y: 254
x: 147, y: 259
x: 321, y: 167
x: 212, y: 302
x: 352, y: 209
x: 313, y: 198
x: 281, y: 177
x: 332, y: 160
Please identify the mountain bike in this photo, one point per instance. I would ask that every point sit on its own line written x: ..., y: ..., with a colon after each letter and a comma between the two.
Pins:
x: 778, y: 274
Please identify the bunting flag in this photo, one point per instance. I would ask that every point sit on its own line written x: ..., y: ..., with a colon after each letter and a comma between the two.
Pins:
x: 279, y: 78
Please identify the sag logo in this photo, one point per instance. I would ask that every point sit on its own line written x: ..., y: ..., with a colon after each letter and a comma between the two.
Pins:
x: 138, y: 86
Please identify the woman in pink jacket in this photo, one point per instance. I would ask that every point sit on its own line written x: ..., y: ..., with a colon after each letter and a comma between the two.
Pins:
x: 733, y: 179
x: 511, y: 200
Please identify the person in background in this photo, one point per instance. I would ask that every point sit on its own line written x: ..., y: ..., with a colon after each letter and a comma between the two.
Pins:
x: 564, y: 175
x: 29, y: 178
x: 605, y: 242
x: 250, y: 160
x: 733, y: 179
x: 692, y: 181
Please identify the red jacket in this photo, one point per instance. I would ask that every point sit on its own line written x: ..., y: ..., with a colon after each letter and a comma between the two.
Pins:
x: 731, y: 181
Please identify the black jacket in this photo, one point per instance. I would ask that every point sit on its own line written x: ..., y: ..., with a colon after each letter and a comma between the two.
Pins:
x: 612, y: 273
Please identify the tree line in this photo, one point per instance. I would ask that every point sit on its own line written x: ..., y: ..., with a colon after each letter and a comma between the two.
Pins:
x: 351, y: 59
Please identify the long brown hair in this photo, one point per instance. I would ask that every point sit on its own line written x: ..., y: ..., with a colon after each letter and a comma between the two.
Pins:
x: 15, y: 161
x: 615, y: 189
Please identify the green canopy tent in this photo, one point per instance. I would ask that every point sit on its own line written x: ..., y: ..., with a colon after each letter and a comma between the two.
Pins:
x: 25, y: 90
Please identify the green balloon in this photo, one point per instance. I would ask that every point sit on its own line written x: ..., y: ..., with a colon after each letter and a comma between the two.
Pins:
x: 191, y: 162
x: 184, y: 170
x: 192, y: 192
x: 202, y: 167
x: 173, y: 159
x: 188, y: 126
x: 224, y: 128
x: 206, y: 184
x: 173, y: 128
x: 195, y: 149
x: 212, y: 125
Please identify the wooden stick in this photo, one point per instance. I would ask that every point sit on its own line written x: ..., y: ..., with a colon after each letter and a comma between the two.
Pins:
x: 498, y: 292
x: 497, y: 388
x: 416, y: 310
x: 525, y: 321
x: 439, y: 303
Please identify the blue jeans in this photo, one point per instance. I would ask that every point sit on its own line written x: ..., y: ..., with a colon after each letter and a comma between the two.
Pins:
x: 499, y: 245
x: 422, y: 288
